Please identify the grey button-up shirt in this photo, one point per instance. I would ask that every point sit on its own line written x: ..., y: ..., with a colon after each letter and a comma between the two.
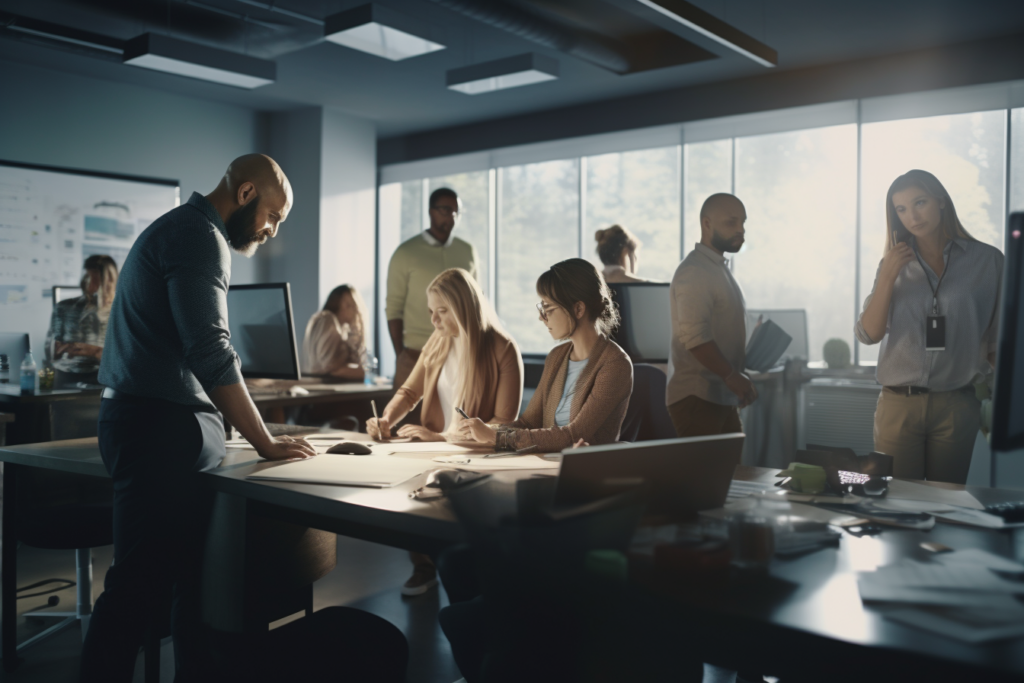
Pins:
x: 167, y: 336
x: 707, y: 305
x: 968, y: 297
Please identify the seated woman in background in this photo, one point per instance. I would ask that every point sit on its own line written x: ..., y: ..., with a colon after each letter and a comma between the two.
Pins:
x: 78, y: 327
x: 336, y: 336
x: 586, y: 384
x: 617, y: 248
x: 470, y: 362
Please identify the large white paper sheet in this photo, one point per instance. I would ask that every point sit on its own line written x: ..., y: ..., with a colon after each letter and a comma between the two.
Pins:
x: 977, y: 624
x: 908, y: 490
x: 481, y: 463
x: 347, y: 470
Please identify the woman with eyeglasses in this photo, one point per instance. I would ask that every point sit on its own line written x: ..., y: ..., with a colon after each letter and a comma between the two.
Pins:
x: 586, y: 384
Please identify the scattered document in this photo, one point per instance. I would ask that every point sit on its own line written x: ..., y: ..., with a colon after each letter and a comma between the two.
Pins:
x: 481, y: 462
x: 969, y: 624
x: 908, y: 490
x: 742, y: 489
x: 346, y: 470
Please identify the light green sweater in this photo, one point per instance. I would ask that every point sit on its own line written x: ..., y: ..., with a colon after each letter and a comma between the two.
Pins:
x: 414, y: 265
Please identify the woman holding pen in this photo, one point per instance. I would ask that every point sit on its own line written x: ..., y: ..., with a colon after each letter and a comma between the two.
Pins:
x: 587, y: 381
x: 934, y: 309
x: 469, y: 362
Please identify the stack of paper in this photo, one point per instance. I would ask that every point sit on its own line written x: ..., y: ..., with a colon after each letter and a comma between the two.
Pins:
x: 346, y: 470
x: 766, y: 346
x: 968, y: 594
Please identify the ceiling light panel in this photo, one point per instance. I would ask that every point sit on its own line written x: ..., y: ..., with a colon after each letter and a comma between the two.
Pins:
x: 379, y: 31
x: 183, y: 58
x: 501, y: 74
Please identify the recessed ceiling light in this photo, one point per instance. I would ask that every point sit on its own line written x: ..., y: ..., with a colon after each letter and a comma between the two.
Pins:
x: 379, y: 31
x: 163, y: 53
x: 712, y: 27
x: 501, y: 74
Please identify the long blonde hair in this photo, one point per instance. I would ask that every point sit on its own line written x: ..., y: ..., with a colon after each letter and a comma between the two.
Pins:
x: 479, y: 334
x: 948, y: 221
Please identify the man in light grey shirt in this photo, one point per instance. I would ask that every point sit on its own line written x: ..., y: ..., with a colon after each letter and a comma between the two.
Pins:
x: 706, y: 384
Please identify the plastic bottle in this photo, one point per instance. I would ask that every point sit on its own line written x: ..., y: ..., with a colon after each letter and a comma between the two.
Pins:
x: 369, y: 369
x: 5, y: 369
x: 29, y: 376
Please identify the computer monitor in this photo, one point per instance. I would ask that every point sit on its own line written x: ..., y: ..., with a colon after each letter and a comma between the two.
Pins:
x: 64, y: 292
x: 263, y: 331
x: 15, y: 345
x: 1008, y: 400
x: 645, y: 332
x: 793, y: 322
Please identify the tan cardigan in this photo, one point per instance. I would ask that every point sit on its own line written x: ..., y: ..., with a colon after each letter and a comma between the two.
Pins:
x: 497, y: 404
x: 598, y: 406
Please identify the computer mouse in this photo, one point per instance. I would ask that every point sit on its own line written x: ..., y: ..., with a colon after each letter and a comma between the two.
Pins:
x: 876, y: 486
x: 350, y: 448
x: 298, y: 391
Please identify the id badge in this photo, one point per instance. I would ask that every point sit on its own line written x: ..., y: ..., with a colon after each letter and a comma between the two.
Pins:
x: 935, y: 333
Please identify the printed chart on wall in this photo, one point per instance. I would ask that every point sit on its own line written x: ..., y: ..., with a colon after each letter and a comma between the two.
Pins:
x: 51, y: 220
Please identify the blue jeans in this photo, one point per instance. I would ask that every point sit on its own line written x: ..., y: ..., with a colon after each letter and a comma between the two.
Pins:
x: 153, y: 450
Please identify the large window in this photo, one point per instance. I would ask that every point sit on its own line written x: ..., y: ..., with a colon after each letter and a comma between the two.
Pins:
x: 539, y: 224
x: 809, y: 244
x: 966, y: 152
x: 640, y: 191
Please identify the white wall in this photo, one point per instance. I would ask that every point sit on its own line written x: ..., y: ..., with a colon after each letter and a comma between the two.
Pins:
x: 57, y: 119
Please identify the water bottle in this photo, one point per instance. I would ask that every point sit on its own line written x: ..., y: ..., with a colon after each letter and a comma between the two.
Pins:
x: 5, y: 369
x: 29, y: 376
x: 369, y: 369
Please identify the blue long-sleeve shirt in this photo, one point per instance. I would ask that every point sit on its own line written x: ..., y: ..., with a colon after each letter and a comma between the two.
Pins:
x: 167, y: 336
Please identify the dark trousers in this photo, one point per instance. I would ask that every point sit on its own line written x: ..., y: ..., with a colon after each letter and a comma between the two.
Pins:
x: 153, y: 450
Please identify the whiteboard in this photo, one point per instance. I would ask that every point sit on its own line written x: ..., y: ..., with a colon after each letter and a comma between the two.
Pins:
x: 51, y: 219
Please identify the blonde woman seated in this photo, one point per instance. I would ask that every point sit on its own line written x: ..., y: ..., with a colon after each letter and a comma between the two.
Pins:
x: 586, y: 384
x: 469, y: 362
x: 618, y: 250
x: 336, y: 336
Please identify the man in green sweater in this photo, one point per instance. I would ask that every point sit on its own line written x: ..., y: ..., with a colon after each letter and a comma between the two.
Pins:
x: 415, y: 263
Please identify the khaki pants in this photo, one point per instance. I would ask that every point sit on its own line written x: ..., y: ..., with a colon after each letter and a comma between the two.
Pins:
x: 693, y: 416
x: 930, y: 436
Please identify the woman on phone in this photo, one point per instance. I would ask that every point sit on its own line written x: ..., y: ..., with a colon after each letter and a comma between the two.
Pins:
x: 469, y: 363
x: 934, y: 309
x: 586, y: 384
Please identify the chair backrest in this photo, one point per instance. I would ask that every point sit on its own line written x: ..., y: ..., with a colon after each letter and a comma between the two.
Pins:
x: 647, y: 417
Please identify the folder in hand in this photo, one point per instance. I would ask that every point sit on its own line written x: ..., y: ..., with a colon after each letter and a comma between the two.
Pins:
x: 766, y: 346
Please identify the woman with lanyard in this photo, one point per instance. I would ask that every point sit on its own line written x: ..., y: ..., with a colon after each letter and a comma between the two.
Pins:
x: 934, y: 308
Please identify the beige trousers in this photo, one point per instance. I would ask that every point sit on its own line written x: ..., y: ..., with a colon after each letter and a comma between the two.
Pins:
x: 930, y: 436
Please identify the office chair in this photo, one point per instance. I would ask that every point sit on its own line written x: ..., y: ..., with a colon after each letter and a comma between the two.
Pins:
x: 55, y: 511
x: 647, y: 417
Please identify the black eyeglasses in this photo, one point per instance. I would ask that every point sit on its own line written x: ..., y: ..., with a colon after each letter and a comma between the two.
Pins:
x: 544, y: 312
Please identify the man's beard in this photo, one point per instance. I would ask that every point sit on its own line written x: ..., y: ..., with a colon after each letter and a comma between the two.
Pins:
x: 241, y: 226
x: 725, y: 245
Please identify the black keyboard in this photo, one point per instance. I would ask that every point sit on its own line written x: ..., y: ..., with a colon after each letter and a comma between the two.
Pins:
x: 278, y: 429
x: 1011, y: 512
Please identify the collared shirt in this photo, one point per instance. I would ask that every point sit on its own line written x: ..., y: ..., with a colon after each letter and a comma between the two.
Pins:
x: 76, y: 320
x: 968, y: 298
x: 414, y: 265
x: 434, y: 242
x: 707, y: 305
x: 168, y: 331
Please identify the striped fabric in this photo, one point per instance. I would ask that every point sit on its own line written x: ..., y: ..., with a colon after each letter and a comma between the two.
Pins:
x: 968, y: 297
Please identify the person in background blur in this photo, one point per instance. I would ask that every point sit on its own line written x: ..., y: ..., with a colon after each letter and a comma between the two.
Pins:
x: 335, y: 340
x: 78, y: 327
x: 617, y: 248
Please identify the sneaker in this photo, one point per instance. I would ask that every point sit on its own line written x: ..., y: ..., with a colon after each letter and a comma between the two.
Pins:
x: 419, y: 583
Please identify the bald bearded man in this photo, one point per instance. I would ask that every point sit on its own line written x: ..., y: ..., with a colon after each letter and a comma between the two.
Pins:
x: 706, y: 382
x: 169, y: 367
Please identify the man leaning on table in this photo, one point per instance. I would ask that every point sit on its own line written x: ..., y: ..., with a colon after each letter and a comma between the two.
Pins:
x: 706, y: 383
x: 169, y: 367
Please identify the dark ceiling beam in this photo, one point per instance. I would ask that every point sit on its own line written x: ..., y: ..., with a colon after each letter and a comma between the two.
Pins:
x: 990, y: 60
x: 536, y: 30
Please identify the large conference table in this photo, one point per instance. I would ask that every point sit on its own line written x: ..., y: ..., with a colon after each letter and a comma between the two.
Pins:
x: 806, y: 614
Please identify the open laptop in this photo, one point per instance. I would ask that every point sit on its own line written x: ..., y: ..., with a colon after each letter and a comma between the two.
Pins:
x: 679, y: 476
